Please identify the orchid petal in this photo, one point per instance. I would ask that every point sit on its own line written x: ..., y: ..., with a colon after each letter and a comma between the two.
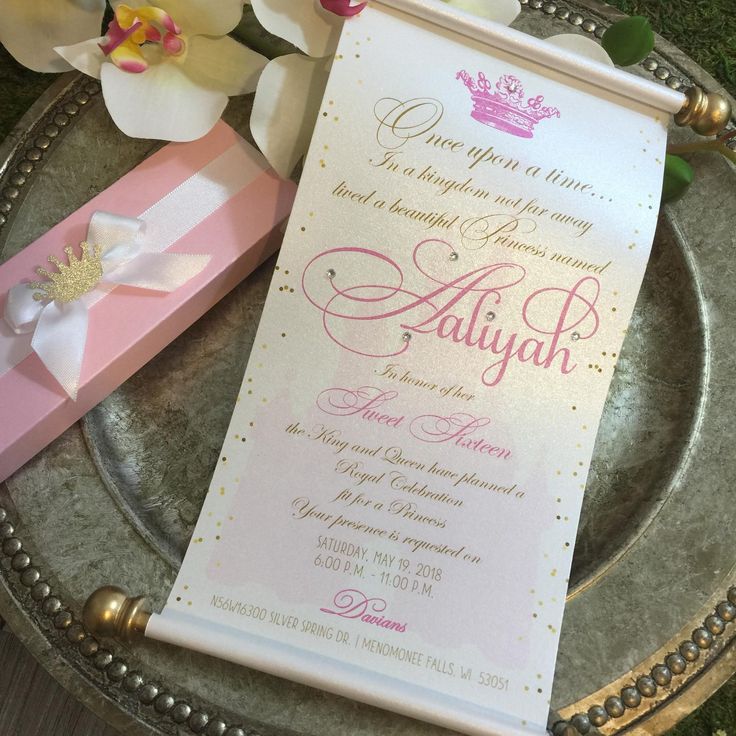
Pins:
x: 301, y: 22
x: 86, y: 56
x: 223, y: 64
x: 285, y: 109
x: 206, y: 17
x: 500, y: 11
x: 582, y: 46
x: 31, y: 29
x: 162, y: 102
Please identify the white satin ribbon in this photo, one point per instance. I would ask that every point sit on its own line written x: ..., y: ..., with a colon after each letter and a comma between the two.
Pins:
x: 59, y: 330
x: 131, y: 257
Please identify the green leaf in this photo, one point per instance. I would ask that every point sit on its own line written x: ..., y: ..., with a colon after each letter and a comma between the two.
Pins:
x: 678, y: 175
x: 629, y: 41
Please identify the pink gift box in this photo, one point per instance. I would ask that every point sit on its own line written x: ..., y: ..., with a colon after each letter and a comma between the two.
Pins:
x: 129, y: 326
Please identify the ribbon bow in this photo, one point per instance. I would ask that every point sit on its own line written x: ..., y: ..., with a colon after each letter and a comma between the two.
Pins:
x: 56, y: 310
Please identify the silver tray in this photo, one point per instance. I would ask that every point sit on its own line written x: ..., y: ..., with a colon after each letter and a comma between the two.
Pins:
x: 115, y: 499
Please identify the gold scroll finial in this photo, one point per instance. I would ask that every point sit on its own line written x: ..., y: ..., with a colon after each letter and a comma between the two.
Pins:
x: 707, y: 113
x: 110, y: 612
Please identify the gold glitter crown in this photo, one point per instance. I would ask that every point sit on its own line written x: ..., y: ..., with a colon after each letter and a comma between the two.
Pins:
x: 70, y: 281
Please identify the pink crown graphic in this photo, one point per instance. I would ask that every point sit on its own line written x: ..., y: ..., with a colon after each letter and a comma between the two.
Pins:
x: 505, y: 108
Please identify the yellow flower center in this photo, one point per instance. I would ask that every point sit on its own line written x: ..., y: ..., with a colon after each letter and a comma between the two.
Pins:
x: 132, y: 28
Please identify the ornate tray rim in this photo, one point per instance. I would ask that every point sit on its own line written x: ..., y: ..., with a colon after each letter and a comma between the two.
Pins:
x: 36, y: 132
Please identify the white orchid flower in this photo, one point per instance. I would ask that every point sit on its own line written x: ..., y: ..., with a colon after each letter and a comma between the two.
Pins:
x: 168, y: 67
x: 30, y: 29
x: 291, y: 88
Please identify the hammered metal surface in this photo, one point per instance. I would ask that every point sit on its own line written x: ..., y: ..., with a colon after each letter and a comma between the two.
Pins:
x: 114, y: 499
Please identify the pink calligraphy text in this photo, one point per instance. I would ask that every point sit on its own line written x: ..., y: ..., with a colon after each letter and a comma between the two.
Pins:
x: 354, y: 604
x: 456, y: 429
x: 368, y: 309
x: 364, y: 402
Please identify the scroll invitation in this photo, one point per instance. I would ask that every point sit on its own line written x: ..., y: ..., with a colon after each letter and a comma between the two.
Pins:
x: 394, y: 511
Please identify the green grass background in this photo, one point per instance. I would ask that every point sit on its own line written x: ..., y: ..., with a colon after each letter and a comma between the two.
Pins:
x: 704, y: 29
